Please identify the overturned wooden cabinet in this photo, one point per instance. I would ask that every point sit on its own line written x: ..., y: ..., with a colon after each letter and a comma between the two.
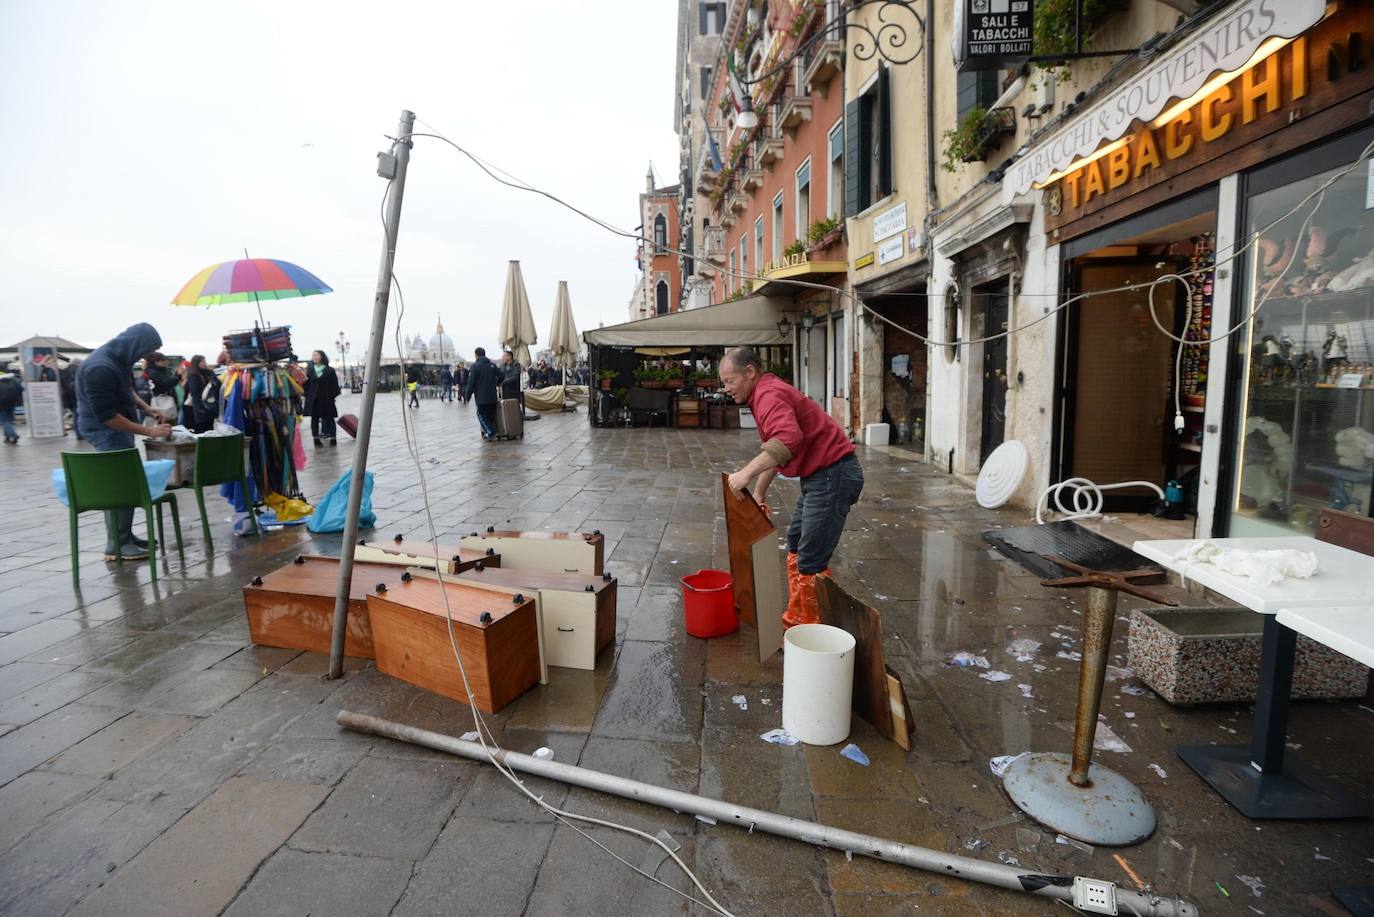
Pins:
x: 497, y: 637
x: 546, y: 552
x: 420, y: 552
x: 293, y: 607
x: 577, y: 612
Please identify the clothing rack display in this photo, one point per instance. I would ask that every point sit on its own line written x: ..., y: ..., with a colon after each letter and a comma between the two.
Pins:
x: 263, y: 400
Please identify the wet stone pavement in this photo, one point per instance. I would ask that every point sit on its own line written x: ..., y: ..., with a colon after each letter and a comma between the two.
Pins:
x: 153, y: 761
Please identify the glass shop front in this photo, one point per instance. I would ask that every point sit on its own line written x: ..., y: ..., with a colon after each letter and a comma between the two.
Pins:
x: 1303, y: 415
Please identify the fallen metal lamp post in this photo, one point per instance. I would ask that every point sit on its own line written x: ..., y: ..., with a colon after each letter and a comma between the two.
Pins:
x: 1070, y: 794
x: 945, y: 864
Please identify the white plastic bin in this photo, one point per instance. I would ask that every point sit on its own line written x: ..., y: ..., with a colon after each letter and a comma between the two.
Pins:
x: 817, y: 683
x: 877, y: 434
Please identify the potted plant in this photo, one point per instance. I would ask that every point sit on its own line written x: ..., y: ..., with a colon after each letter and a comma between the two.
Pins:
x: 672, y: 377
x: 796, y: 248
x: 705, y: 378
x: 971, y: 140
x: 824, y: 233
x: 605, y: 377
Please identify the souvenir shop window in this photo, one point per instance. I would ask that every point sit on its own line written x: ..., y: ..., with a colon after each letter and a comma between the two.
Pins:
x: 1306, y: 427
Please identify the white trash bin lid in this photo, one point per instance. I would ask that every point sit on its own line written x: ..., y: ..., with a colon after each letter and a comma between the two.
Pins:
x: 1002, y: 473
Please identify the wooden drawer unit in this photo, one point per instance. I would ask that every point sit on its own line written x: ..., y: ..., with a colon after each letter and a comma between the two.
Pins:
x: 547, y: 552
x: 293, y: 607
x: 419, y: 552
x: 498, y: 640
x: 577, y: 612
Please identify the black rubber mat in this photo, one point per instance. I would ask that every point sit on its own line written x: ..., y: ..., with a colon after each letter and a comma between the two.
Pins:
x: 1029, y: 545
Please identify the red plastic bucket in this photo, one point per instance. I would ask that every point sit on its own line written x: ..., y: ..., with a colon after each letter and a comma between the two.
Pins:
x: 708, y: 601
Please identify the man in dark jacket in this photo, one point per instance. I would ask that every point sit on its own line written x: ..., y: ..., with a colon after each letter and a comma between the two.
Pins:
x: 109, y: 414
x: 460, y: 379
x: 483, y: 379
x: 445, y: 384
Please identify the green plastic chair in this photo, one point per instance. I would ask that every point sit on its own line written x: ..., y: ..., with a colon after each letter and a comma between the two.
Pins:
x: 219, y: 460
x: 115, y: 480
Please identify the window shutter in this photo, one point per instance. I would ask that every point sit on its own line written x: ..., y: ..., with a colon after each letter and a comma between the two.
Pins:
x: 804, y: 176
x: 883, y: 132
x: 701, y: 17
x: 853, y: 158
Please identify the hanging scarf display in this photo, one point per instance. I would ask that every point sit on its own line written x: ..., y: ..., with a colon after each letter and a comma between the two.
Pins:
x: 262, y: 401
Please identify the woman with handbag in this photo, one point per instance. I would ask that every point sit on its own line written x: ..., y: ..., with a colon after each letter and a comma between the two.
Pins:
x: 321, y: 389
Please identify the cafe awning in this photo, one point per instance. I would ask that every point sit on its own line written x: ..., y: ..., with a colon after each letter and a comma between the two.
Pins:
x: 751, y: 321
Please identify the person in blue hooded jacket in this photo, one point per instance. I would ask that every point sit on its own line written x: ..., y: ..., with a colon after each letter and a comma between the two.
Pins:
x: 109, y: 413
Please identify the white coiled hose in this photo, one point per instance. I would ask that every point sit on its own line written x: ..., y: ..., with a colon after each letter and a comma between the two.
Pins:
x: 1087, y: 498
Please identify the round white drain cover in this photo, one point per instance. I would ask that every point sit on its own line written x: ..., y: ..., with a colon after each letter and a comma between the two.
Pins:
x: 1002, y: 473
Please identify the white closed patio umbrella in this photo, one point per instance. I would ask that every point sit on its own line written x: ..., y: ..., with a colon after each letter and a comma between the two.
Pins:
x: 517, y: 322
x: 563, y: 338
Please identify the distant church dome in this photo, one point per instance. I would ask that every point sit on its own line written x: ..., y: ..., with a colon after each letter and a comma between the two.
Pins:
x: 440, y: 342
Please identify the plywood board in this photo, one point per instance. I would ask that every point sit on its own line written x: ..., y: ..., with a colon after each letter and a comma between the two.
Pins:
x: 551, y: 552
x: 420, y: 552
x: 293, y: 606
x: 770, y: 595
x: 500, y: 655
x: 873, y: 692
x: 745, y: 523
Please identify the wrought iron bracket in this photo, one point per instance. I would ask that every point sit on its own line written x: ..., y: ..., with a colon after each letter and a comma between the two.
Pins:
x: 897, y: 37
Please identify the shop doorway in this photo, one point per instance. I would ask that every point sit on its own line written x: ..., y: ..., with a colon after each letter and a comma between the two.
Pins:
x: 904, y: 367
x: 1119, y: 373
x: 815, y: 362
x: 994, y: 311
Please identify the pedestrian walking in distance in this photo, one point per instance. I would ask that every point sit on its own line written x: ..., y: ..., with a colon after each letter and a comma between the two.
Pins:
x: 413, y: 385
x: 321, y: 390
x: 483, y: 380
x: 802, y: 441
x: 11, y: 397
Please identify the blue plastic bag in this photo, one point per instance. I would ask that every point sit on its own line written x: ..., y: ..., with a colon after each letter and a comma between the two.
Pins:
x: 332, y: 508
x: 159, y: 472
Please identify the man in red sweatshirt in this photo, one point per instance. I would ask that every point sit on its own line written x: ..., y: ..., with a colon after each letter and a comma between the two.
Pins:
x: 799, y: 440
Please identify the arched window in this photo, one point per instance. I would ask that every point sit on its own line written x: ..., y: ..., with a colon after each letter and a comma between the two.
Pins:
x: 660, y: 235
x: 661, y: 298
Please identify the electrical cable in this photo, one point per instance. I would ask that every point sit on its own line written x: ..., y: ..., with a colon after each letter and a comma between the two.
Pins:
x: 484, y: 735
x: 1087, y: 498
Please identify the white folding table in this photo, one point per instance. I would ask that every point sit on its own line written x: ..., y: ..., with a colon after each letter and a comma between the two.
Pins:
x: 1255, y: 778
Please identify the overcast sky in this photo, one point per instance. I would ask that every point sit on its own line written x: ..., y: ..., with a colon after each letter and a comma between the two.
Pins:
x: 147, y: 140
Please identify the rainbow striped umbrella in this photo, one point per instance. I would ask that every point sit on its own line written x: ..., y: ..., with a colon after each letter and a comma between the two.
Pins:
x: 249, y: 279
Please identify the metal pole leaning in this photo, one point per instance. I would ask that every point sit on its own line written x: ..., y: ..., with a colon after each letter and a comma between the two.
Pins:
x: 397, y: 176
x: 946, y: 864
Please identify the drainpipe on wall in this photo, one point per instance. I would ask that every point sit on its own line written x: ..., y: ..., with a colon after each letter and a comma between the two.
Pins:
x: 932, y: 196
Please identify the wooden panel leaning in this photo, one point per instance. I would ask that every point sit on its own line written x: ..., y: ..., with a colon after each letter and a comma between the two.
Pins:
x: 548, y: 552
x: 419, y: 552
x: 879, y: 696
x: 498, y: 640
x: 293, y: 607
x: 756, y: 573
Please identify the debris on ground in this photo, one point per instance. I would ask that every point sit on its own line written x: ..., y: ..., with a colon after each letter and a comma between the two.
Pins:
x: 1023, y: 649
x: 854, y: 753
x: 995, y: 675
x: 1221, y: 888
x: 544, y: 753
x: 1026, y: 690
x: 1074, y: 843
x: 1027, y: 839
x: 1071, y: 656
x: 999, y: 764
x: 740, y: 701
x: 965, y: 660
x: 1002, y: 822
x: 1106, y: 740
x: 1134, y: 690
x: 470, y: 736
x: 706, y: 819
x: 1161, y: 772
x: 1253, y: 883
x: 1126, y: 868
x: 1005, y: 856
x: 780, y: 737
x: 1117, y: 673
x: 976, y: 843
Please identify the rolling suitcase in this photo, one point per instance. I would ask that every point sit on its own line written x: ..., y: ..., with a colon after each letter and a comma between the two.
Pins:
x: 510, y: 419
x: 349, y: 424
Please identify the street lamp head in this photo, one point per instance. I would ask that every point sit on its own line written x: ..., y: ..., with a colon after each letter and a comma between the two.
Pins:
x: 784, y: 327
x: 747, y: 119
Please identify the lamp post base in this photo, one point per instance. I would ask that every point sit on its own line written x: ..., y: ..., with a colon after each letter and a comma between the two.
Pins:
x: 1109, y: 813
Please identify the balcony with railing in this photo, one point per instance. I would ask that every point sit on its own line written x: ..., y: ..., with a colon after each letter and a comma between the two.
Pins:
x: 770, y: 148
x: 713, y: 245
x: 824, y: 60
x: 796, y: 102
x: 750, y: 172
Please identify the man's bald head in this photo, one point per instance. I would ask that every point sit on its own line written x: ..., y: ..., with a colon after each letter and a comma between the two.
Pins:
x: 739, y: 358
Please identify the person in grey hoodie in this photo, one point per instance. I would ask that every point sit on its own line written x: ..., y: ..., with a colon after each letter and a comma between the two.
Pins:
x: 109, y: 415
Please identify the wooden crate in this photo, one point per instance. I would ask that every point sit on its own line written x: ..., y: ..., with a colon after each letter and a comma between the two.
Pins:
x: 501, y: 655
x: 577, y: 612
x: 419, y: 552
x: 548, y: 552
x: 293, y: 607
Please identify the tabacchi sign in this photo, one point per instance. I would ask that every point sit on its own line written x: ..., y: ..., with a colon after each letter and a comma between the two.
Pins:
x: 1224, y: 44
x: 991, y: 34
